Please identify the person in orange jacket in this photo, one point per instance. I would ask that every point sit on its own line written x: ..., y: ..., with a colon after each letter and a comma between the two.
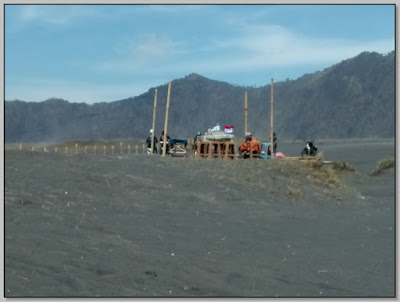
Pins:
x: 245, y: 147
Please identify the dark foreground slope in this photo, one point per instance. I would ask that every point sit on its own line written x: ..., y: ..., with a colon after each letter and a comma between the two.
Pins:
x: 80, y: 225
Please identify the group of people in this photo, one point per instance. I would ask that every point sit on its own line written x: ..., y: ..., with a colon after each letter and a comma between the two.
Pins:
x: 244, y: 150
x: 148, y: 142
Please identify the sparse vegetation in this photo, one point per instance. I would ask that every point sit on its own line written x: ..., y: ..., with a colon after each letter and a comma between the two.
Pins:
x: 316, y: 163
x: 321, y: 175
x: 294, y: 193
x: 288, y: 177
x: 382, y: 165
x: 326, y: 177
x: 343, y: 166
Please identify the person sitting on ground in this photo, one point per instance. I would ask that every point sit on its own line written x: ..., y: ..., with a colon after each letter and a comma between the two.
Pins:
x: 162, y: 143
x: 148, y: 141
x: 245, y: 147
x: 195, y: 140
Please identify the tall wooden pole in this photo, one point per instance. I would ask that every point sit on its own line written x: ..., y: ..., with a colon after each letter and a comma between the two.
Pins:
x: 245, y: 113
x: 272, y: 117
x: 154, y: 121
x: 166, y: 121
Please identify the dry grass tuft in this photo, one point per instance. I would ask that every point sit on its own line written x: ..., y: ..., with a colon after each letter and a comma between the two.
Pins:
x: 326, y: 177
x: 316, y: 163
x: 321, y: 175
x: 343, y: 166
x: 294, y: 193
x: 382, y: 165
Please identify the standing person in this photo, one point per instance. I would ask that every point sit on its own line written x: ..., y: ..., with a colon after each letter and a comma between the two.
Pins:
x: 148, y: 142
x: 275, y: 144
x: 196, y: 138
x: 162, y: 143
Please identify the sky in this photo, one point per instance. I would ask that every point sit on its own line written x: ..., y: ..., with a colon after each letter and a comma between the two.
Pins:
x: 104, y: 53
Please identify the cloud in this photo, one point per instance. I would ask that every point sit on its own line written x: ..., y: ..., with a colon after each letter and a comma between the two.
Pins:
x: 141, y: 53
x: 68, y: 13
x: 253, y: 47
x: 152, y: 45
x: 248, y: 45
x: 273, y: 45
x: 152, y: 58
x: 55, y: 14
x: 177, y: 8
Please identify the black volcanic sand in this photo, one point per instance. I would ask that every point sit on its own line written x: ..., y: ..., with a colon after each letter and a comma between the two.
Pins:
x: 129, y: 226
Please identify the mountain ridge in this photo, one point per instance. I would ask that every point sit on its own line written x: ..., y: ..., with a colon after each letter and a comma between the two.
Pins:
x: 353, y: 98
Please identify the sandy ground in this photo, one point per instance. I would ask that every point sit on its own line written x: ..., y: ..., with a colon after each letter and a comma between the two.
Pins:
x: 146, y: 226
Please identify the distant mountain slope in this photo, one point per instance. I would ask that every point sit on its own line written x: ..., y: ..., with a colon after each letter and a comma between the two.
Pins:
x: 354, y: 98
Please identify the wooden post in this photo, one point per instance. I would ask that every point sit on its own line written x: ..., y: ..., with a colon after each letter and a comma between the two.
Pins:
x: 144, y: 148
x: 120, y: 144
x: 33, y: 148
x: 55, y: 149
x: 104, y: 148
x: 136, y: 149
x: 76, y: 148
x: 166, y: 121
x: 85, y: 149
x: 154, y: 121
x: 20, y: 146
x: 272, y: 117
x: 198, y: 147
x: 245, y: 112
x: 95, y: 149
x: 112, y: 149
x: 129, y: 149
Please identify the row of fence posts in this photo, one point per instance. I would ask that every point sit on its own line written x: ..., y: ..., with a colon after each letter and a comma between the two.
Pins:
x: 86, y: 149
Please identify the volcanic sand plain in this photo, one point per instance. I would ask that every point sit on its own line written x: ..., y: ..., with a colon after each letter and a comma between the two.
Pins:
x: 86, y: 225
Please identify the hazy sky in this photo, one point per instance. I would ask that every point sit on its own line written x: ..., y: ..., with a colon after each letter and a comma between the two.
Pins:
x: 102, y: 53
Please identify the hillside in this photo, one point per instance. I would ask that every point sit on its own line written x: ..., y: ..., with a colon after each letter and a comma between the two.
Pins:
x: 354, y: 98
x: 86, y: 225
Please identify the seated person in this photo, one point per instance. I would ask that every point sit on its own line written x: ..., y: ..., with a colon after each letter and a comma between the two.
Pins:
x: 245, y: 147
